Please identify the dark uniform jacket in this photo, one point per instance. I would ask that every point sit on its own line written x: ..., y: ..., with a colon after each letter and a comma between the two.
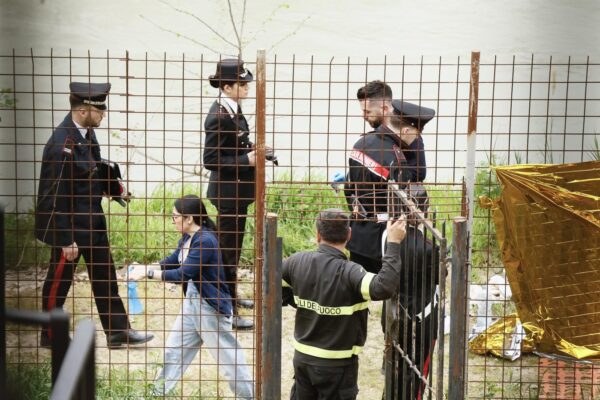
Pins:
x: 69, y: 198
x: 420, y: 274
x: 225, y: 155
x: 376, y: 158
x: 331, y: 295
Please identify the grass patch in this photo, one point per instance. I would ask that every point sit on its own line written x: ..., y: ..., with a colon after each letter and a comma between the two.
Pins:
x: 33, y: 382
x: 21, y: 247
x: 143, y: 231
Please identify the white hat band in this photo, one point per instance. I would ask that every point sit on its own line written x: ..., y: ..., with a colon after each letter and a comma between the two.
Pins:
x: 93, y: 103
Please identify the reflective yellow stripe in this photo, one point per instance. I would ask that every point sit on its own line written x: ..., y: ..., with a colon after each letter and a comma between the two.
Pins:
x: 364, y: 285
x: 322, y: 353
x: 326, y: 310
x: 285, y: 284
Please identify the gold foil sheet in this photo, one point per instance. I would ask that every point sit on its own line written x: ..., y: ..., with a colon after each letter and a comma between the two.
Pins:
x: 548, y: 228
x: 505, y: 338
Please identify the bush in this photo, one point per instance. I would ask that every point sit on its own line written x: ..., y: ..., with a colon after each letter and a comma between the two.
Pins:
x: 143, y: 231
x: 486, y: 253
x: 33, y: 382
x: 296, y: 205
x: 21, y: 247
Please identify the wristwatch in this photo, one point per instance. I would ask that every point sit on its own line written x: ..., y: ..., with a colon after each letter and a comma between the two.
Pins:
x: 150, y: 274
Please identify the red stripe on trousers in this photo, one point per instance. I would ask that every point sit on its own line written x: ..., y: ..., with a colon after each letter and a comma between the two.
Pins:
x: 54, y: 288
x: 425, y: 370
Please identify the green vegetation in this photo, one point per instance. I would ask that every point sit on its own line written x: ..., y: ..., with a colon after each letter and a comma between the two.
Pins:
x: 143, y: 233
x: 21, y: 247
x: 32, y: 382
x: 7, y: 99
x: 594, y: 150
x: 486, y: 254
x: 28, y: 381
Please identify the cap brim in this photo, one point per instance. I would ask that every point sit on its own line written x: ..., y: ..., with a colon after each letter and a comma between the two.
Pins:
x: 214, y: 81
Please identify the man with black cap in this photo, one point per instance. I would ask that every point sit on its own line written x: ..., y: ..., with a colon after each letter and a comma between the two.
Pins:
x: 395, y: 151
x: 376, y: 158
x: 230, y: 156
x: 70, y: 218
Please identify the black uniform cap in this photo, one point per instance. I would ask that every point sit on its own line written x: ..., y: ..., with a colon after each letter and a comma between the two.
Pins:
x: 93, y: 94
x: 230, y: 70
x: 413, y: 114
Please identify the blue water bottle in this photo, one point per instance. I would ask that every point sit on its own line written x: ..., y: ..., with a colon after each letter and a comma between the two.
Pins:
x: 133, y: 301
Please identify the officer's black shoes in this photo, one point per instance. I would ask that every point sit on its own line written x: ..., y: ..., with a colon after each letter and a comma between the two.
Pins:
x: 245, y: 303
x: 128, y: 337
x: 240, y: 323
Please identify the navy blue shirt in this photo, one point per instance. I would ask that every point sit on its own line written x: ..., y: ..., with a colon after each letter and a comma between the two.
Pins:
x: 204, y: 266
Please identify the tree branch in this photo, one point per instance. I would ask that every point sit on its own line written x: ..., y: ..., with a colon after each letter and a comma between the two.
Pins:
x: 243, y: 21
x: 290, y: 34
x: 237, y: 35
x: 181, y: 35
x: 265, y: 21
x: 223, y: 38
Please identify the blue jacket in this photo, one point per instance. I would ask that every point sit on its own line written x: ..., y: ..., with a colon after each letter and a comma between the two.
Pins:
x: 203, y: 266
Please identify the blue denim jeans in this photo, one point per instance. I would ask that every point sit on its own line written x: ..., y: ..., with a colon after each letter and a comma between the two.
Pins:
x: 199, y: 324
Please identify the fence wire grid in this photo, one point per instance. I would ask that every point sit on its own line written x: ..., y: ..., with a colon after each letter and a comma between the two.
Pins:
x: 537, y: 109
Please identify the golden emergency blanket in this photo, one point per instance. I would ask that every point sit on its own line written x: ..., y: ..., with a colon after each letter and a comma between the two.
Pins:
x: 499, y: 339
x: 548, y: 227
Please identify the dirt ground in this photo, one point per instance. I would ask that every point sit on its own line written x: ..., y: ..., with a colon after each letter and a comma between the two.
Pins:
x: 488, y: 377
x: 162, y: 303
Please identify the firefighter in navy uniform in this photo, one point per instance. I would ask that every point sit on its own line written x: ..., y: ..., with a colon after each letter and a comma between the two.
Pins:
x: 331, y: 295
x: 69, y: 215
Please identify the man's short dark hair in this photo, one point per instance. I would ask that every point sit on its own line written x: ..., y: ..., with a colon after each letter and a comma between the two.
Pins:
x: 375, y: 90
x: 333, y: 225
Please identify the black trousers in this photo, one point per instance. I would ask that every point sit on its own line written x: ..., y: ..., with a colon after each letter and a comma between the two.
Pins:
x: 232, y: 226
x: 103, y: 278
x: 419, y: 336
x: 324, y: 383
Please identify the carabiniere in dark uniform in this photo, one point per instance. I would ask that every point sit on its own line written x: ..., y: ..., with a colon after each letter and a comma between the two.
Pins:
x: 69, y: 211
x: 226, y: 154
x: 376, y: 158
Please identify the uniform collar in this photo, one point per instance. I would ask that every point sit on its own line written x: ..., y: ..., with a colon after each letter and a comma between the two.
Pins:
x: 325, y: 248
x: 82, y: 130
x: 385, y: 130
x: 233, y: 105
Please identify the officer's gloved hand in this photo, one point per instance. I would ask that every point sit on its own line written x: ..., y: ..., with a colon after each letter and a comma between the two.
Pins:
x: 338, y: 178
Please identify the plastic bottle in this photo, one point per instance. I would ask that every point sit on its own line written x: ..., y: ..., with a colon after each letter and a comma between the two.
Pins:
x: 134, y: 304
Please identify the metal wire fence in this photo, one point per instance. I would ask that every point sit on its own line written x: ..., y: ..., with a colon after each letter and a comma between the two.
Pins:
x: 535, y: 109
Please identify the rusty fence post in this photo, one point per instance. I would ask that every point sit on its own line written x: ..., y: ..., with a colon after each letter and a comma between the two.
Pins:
x: 271, y: 307
x: 2, y: 307
x: 472, y: 139
x: 259, y: 211
x: 458, y: 302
